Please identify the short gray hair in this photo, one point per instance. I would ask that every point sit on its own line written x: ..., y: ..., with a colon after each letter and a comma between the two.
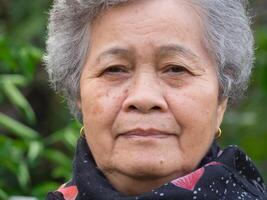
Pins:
x: 228, y: 38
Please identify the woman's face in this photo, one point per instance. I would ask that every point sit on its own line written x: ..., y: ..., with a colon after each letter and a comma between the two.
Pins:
x: 149, y: 91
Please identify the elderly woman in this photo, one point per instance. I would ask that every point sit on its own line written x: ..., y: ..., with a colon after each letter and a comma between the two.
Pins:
x: 150, y: 80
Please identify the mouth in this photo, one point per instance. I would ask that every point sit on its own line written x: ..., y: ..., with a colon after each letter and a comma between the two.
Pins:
x: 148, y: 133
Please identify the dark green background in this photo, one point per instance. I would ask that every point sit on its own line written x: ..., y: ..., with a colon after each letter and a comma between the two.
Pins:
x: 37, y: 134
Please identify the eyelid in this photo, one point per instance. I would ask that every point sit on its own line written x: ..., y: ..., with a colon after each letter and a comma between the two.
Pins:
x: 171, y: 65
x: 119, y: 67
x: 184, y: 69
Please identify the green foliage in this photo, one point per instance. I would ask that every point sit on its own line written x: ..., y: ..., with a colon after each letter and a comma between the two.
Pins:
x: 17, y: 128
x: 24, y: 151
x: 24, y: 20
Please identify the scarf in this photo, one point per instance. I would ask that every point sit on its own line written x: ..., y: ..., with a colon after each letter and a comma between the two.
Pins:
x: 221, y: 175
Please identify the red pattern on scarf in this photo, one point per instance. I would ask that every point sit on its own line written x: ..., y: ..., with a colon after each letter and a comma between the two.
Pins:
x: 189, y: 181
x: 69, y: 193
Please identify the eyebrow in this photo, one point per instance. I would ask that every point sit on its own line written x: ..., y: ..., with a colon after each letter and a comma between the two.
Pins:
x: 177, y: 49
x: 165, y: 50
x: 114, y: 51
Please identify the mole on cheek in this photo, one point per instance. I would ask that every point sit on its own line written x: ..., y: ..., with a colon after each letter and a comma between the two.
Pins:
x: 125, y: 91
x: 107, y: 93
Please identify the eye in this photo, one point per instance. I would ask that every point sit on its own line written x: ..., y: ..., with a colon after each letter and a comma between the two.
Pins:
x: 175, y: 69
x: 114, y: 69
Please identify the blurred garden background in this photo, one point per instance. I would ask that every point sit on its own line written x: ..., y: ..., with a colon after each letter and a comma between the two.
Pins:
x: 37, y: 134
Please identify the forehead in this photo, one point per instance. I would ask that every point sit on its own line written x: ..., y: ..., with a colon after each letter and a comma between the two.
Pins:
x: 143, y: 12
x: 149, y: 23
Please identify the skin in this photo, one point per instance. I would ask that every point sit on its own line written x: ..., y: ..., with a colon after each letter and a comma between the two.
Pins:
x: 148, y: 69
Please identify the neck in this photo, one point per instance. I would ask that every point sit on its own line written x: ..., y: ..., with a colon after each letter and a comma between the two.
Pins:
x: 131, y: 186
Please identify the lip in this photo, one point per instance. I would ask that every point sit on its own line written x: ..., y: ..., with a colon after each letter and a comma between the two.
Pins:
x: 146, y: 133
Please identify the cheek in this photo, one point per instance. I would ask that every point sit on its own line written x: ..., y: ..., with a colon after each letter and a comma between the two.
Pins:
x: 100, y: 103
x: 195, y: 106
x: 100, y: 106
x: 195, y: 112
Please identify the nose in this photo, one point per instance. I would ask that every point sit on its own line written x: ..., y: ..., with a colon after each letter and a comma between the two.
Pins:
x: 145, y: 95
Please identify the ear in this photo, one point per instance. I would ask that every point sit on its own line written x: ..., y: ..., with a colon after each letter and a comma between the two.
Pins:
x: 79, y: 103
x: 220, y: 111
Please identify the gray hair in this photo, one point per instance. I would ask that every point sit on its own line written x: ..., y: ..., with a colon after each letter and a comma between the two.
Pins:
x: 228, y: 38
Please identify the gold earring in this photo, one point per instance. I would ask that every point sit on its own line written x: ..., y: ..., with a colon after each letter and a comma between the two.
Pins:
x: 82, y: 131
x: 219, y: 133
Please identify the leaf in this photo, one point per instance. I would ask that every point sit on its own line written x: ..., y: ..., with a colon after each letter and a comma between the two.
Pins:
x: 67, y: 135
x: 3, y: 195
x: 40, y: 190
x: 18, y: 58
x: 6, y: 58
x: 8, y: 154
x: 19, y: 101
x: 62, y: 172
x: 57, y: 157
x: 29, y: 57
x: 70, y: 138
x: 16, y: 128
x: 16, y: 79
x: 23, y: 175
x: 35, y: 148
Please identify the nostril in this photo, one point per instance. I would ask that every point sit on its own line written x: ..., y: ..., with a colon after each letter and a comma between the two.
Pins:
x: 131, y: 107
x: 156, y: 108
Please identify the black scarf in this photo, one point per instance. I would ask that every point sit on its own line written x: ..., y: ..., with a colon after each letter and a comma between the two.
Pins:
x: 222, y: 175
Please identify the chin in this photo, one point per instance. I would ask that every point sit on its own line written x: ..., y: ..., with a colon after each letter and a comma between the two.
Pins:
x: 150, y: 168
x: 155, y: 160
x: 150, y: 173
